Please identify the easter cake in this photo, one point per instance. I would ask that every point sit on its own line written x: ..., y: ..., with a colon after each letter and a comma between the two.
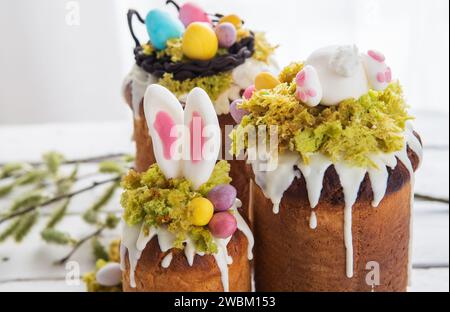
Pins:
x: 333, y: 201
x: 182, y: 229
x: 214, y: 52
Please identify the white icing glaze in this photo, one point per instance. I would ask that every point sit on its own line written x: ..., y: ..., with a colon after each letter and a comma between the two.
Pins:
x: 275, y: 183
x: 165, y: 263
x: 313, y: 220
x: 135, y: 239
x: 138, y: 80
x: 314, y: 173
x: 244, y: 228
x: 351, y: 179
x: 130, y: 236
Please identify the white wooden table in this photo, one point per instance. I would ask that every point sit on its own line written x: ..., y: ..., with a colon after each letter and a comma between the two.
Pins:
x: 28, y: 267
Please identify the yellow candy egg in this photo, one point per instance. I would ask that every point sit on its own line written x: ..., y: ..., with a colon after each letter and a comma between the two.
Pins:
x: 202, y: 211
x: 200, y: 42
x: 233, y: 19
x: 266, y: 81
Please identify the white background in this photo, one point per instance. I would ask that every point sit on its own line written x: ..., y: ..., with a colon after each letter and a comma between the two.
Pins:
x: 54, y: 72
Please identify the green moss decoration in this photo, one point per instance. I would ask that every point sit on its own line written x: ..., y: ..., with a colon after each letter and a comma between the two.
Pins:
x: 350, y: 131
x: 213, y: 85
x: 174, y: 50
x: 153, y: 200
x: 289, y: 73
x: 263, y: 49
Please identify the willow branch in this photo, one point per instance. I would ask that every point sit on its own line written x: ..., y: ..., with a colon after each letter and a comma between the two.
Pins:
x: 80, y: 243
x: 94, y: 159
x: 57, y: 199
x: 432, y: 198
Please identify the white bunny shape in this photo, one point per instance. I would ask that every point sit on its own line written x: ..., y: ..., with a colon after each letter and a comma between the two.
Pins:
x: 186, y: 143
x: 336, y: 73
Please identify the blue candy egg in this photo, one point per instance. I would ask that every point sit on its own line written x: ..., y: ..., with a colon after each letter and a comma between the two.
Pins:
x: 161, y: 26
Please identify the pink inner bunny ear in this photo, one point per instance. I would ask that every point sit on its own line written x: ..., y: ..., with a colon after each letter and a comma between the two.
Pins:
x: 164, y: 125
x: 197, y: 141
x: 164, y: 114
x: 204, y: 139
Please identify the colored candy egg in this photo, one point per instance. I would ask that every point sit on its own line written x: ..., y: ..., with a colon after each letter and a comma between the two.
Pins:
x: 190, y: 13
x: 203, y: 211
x: 109, y: 275
x: 200, y: 42
x: 227, y: 34
x: 161, y: 26
x: 222, y: 197
x: 233, y: 19
x: 266, y: 80
x: 248, y: 93
x: 236, y: 112
x: 223, y: 225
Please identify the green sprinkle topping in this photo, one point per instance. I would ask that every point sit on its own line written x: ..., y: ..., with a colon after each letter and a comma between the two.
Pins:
x: 213, y: 85
x: 350, y: 131
x: 153, y: 200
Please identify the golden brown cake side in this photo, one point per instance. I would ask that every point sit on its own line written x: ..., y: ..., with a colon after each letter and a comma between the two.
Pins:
x: 203, y: 276
x: 317, y: 257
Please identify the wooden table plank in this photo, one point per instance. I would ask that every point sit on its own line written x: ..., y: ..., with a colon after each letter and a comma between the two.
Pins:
x: 431, y: 280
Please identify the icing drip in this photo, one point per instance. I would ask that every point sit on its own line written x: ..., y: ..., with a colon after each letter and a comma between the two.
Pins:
x: 135, y: 239
x: 351, y: 179
x: 379, y: 176
x: 223, y: 260
x: 129, y: 237
x: 313, y: 221
x: 167, y: 261
x: 314, y: 173
x: 139, y: 80
x: 244, y: 228
x: 275, y: 183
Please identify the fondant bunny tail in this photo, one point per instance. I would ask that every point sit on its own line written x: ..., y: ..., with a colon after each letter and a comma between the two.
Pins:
x: 204, y: 137
x: 165, y: 116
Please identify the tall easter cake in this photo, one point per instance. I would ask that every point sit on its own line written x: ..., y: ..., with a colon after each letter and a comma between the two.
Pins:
x: 183, y: 231
x: 214, y: 52
x: 333, y: 201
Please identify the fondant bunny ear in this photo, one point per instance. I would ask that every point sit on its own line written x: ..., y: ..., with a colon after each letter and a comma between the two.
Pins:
x: 165, y: 116
x: 204, y: 137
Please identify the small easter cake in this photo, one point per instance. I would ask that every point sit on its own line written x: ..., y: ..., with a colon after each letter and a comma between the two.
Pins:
x: 217, y: 53
x: 334, y: 195
x: 214, y: 52
x: 182, y: 229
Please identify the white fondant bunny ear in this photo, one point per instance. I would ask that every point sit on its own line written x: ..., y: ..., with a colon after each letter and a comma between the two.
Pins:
x: 378, y: 73
x: 164, y: 116
x: 204, y: 137
x: 309, y: 88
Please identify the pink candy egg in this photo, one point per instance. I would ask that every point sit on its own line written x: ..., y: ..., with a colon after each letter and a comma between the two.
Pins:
x: 236, y: 112
x: 227, y: 34
x: 248, y: 93
x: 222, y: 197
x: 223, y: 225
x: 190, y: 13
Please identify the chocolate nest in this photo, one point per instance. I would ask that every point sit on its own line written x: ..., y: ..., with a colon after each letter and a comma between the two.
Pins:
x: 237, y: 54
